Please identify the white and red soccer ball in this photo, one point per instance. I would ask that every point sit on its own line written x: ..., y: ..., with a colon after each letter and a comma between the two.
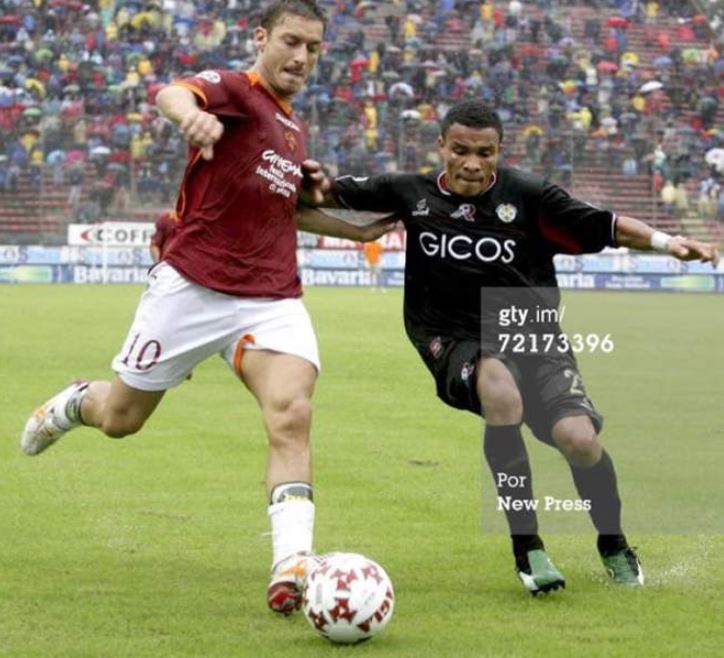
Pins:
x: 348, y: 598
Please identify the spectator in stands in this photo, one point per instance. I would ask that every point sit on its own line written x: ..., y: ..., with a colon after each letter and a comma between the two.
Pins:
x: 668, y: 196
x: 651, y: 12
x: 13, y: 177
x: 630, y: 166
x: 681, y: 200
x: 75, y: 191
x: 102, y: 194
x: 35, y: 178
x: 709, y: 191
x: 112, y: 62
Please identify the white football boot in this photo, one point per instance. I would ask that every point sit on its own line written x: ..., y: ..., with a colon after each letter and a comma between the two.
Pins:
x: 50, y: 422
x: 284, y: 594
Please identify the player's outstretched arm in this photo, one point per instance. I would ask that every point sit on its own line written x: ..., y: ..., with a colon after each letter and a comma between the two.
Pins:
x: 636, y: 234
x: 199, y: 128
x: 318, y: 221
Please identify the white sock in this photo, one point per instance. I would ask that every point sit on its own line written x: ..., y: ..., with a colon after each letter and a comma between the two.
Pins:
x: 292, y: 523
x: 71, y: 409
x: 66, y: 406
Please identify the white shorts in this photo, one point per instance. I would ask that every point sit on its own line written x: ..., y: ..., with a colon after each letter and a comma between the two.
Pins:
x: 178, y: 324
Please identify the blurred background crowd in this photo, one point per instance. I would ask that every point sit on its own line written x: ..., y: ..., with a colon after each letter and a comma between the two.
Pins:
x: 622, y: 101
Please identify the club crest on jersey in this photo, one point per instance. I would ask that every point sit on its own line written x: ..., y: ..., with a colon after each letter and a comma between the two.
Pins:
x: 210, y: 76
x: 466, y: 211
x: 422, y: 210
x: 291, y: 140
x: 506, y: 212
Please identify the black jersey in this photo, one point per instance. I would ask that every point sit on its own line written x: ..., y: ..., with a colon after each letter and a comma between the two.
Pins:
x: 457, y: 246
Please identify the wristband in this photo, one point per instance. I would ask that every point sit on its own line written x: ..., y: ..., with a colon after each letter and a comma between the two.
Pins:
x: 660, y: 241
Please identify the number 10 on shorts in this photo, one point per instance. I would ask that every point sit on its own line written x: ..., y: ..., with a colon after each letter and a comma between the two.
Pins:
x: 142, y: 355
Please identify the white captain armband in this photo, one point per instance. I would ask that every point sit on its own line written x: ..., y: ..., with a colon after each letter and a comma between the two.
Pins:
x: 660, y: 241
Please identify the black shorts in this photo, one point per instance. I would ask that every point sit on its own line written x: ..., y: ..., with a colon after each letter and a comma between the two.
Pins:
x: 551, y: 386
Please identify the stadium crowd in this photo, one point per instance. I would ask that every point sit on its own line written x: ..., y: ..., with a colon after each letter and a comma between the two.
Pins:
x: 78, y: 81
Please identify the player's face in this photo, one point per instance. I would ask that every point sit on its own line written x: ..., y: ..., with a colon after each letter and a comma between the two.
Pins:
x: 288, y: 53
x: 470, y: 156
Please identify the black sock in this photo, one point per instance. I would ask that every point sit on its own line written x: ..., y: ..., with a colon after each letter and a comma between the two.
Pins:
x: 521, y: 545
x: 508, y: 460
x: 597, y: 484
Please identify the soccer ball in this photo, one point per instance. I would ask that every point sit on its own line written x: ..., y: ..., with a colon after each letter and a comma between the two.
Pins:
x: 348, y: 598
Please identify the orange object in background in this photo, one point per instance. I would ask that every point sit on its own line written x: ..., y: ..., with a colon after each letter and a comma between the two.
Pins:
x: 373, y: 252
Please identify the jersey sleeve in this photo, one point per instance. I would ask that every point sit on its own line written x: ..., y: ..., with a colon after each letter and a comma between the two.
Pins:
x: 572, y: 226
x: 214, y: 92
x: 374, y: 193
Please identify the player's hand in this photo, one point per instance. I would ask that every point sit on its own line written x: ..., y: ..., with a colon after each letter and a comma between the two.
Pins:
x: 315, y: 184
x: 686, y: 249
x: 374, y: 231
x: 202, y: 129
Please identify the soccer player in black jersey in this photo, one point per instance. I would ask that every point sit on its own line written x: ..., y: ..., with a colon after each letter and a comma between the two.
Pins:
x: 479, y: 226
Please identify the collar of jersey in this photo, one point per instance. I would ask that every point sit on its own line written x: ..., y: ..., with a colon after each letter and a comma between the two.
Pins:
x: 442, y: 184
x: 255, y: 80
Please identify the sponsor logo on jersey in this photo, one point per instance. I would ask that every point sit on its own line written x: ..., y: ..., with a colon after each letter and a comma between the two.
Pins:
x: 436, y: 347
x: 287, y: 122
x: 281, y: 163
x: 506, y: 212
x: 210, y: 76
x: 291, y: 140
x: 276, y: 169
x: 467, y: 370
x: 422, y: 210
x: 466, y: 211
x: 463, y: 247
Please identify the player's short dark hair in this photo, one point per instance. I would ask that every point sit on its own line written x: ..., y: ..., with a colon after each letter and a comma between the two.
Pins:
x: 473, y: 114
x: 276, y: 11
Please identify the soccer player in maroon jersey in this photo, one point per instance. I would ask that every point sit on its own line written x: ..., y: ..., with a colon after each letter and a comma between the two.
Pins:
x: 227, y: 283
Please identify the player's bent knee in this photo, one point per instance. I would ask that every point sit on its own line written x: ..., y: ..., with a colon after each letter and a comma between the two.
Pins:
x: 579, y: 443
x: 498, y: 393
x: 502, y: 404
x: 290, y: 416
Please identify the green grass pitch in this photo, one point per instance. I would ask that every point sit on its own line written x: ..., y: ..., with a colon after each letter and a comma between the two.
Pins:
x: 157, y: 545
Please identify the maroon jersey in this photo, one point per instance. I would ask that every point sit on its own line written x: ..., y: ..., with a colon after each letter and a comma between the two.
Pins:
x: 164, y: 225
x: 236, y: 230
